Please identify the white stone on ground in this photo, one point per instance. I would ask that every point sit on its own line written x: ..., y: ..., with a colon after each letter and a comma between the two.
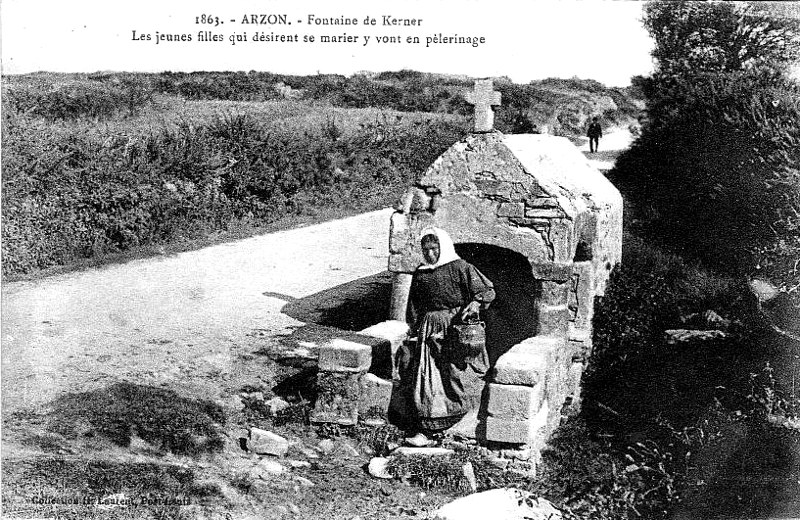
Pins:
x: 499, y: 504
x: 469, y: 474
x: 326, y: 446
x: 348, y: 450
x: 276, y: 404
x: 378, y: 468
x: 676, y: 336
x: 303, y: 481
x: 408, y: 451
x: 267, y: 467
x: 264, y: 442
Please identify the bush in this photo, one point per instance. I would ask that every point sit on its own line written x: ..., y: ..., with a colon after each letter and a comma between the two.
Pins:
x: 73, y: 191
x: 718, y: 165
x: 706, y: 410
x: 588, y: 478
x: 79, y: 99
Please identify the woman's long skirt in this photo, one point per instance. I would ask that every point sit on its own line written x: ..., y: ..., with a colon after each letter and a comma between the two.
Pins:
x: 446, y: 382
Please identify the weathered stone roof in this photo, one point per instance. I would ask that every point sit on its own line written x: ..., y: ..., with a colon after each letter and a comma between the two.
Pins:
x: 534, y: 194
x: 562, y: 171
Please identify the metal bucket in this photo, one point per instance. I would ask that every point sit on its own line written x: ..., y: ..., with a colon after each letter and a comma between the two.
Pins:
x: 470, y: 337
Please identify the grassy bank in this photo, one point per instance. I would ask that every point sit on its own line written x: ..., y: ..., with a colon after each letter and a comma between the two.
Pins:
x: 85, y: 189
x: 103, y: 167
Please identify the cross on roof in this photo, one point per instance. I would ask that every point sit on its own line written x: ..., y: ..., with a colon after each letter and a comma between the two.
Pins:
x: 483, y: 97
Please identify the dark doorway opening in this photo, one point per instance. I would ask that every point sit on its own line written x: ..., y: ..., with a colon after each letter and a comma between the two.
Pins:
x: 512, y: 317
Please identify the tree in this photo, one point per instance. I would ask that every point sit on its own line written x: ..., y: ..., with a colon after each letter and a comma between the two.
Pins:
x: 718, y: 161
x: 696, y: 37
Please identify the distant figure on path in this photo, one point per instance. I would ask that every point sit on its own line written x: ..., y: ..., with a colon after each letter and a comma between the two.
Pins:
x: 443, y: 379
x: 595, y: 132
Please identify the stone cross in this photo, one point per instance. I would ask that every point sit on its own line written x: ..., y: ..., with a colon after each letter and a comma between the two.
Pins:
x: 483, y: 97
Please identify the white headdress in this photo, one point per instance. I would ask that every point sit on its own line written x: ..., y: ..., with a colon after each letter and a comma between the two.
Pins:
x: 447, y: 251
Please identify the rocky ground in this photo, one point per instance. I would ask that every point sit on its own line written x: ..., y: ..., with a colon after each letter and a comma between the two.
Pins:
x: 196, y: 324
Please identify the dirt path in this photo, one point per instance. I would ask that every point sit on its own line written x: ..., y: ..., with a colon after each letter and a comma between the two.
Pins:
x: 182, y: 317
x: 614, y: 142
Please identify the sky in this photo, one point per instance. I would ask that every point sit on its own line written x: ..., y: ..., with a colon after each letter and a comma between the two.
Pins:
x: 524, y: 40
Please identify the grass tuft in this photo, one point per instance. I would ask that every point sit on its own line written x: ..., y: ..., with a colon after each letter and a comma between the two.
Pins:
x: 163, y: 418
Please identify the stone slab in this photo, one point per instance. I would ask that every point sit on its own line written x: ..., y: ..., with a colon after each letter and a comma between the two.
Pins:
x: 375, y: 396
x: 547, y: 213
x: 264, y: 442
x: 553, y: 271
x: 575, y: 375
x: 562, y: 236
x: 541, y: 202
x: 337, y: 398
x: 536, y: 223
x: 580, y: 342
x: 514, y: 402
x: 527, y: 363
x: 408, y: 451
x: 530, y: 431
x: 584, y: 288
x: 553, y: 320
x: 340, y: 355
x: 511, y: 209
x: 684, y: 336
x: 393, y: 332
x: 553, y: 293
x: 500, y: 504
x: 509, y: 431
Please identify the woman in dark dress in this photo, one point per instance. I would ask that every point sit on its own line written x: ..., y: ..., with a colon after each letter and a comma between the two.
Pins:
x: 445, y: 382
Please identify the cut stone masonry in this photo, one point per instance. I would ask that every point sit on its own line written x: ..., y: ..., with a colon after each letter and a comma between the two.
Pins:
x: 533, y: 195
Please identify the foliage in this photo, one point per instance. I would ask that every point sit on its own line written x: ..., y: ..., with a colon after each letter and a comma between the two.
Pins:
x: 380, y: 439
x: 588, y: 478
x: 650, y: 292
x: 78, y: 99
x: 102, y: 164
x: 703, y: 400
x: 720, y: 37
x: 563, y: 106
x: 430, y: 472
x: 717, y: 167
x: 76, y: 190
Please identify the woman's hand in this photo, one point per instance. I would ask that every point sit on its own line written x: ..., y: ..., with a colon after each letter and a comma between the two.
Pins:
x: 472, y: 308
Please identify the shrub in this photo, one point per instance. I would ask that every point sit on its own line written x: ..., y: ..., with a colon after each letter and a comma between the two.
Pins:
x: 718, y: 160
x: 74, y: 190
x: 702, y: 400
x: 79, y: 99
x: 719, y: 164
x: 589, y: 478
